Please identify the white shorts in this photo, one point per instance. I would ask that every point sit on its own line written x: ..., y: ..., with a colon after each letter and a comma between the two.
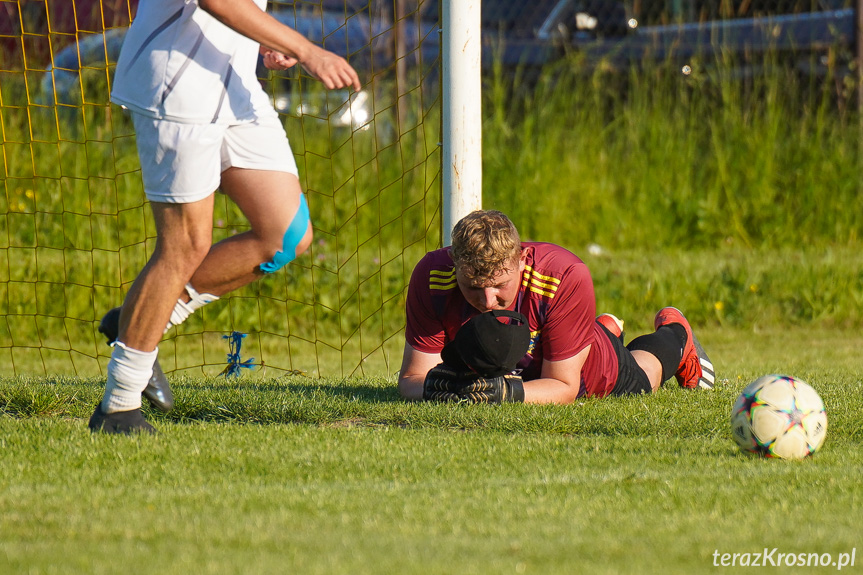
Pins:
x: 183, y: 163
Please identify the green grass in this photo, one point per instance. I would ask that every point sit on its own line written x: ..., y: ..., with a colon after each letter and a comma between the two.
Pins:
x: 736, y: 200
x: 734, y: 288
x: 274, y: 475
x: 733, y: 197
x: 652, y: 157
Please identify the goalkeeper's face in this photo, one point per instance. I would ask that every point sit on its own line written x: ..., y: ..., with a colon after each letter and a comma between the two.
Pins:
x: 498, y: 292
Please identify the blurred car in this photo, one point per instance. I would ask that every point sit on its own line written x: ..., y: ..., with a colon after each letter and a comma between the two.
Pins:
x: 515, y: 35
x: 799, y: 35
x: 33, y: 29
x: 357, y: 38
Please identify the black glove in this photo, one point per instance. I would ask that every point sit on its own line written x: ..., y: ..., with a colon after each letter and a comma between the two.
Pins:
x: 443, y: 383
x: 506, y: 388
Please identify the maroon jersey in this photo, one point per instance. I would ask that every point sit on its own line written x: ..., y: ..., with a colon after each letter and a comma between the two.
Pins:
x: 556, y: 295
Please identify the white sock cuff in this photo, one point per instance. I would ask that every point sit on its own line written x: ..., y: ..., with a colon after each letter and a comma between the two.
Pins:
x: 182, y: 309
x: 199, y: 300
x: 129, y: 372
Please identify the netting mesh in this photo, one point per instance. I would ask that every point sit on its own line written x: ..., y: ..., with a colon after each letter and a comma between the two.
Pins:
x: 75, y: 229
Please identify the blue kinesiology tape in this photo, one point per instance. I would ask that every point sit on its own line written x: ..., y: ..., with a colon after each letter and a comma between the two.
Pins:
x: 293, y: 236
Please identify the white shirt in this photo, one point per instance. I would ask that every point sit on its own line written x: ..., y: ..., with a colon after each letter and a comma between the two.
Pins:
x: 179, y: 63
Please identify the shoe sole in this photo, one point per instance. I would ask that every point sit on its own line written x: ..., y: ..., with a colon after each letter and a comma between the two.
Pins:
x: 708, y: 375
x: 124, y: 423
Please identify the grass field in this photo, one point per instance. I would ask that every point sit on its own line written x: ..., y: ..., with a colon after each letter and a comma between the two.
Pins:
x: 299, y: 475
x: 736, y: 199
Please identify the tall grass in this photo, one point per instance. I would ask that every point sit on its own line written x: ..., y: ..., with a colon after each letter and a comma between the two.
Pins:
x: 653, y: 158
x: 734, y: 196
x: 75, y: 231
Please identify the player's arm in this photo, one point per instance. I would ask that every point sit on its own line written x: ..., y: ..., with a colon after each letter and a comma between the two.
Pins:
x: 415, y: 367
x: 276, y: 60
x: 559, y: 381
x: 245, y: 17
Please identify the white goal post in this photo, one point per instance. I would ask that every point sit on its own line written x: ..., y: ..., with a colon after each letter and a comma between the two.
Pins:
x: 462, y: 118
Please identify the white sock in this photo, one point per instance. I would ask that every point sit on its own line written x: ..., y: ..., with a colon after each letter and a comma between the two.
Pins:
x: 129, y: 371
x: 183, y: 309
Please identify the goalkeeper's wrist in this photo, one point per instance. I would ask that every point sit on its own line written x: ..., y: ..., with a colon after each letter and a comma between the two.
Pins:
x: 515, y: 389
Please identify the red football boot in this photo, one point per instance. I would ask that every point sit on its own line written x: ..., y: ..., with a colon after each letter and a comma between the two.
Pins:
x: 612, y: 324
x: 695, y: 369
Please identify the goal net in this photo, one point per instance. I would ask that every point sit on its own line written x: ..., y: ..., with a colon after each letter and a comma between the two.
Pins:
x: 75, y: 228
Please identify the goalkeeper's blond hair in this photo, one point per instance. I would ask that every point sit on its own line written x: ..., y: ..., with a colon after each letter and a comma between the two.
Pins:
x: 484, y: 244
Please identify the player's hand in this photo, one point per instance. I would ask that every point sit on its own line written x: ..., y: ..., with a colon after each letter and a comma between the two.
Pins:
x: 277, y: 61
x: 507, y: 388
x: 331, y: 70
x: 443, y: 383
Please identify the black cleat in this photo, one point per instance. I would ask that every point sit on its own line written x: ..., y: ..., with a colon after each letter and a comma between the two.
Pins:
x: 158, y: 391
x: 125, y: 422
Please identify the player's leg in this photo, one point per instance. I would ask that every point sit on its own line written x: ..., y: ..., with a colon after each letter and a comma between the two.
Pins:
x: 672, y: 350
x: 636, y: 373
x: 180, y: 164
x: 651, y: 367
x: 183, y: 235
x: 657, y: 354
x: 280, y: 230
x: 694, y: 369
x: 639, y: 371
x: 183, y: 238
x: 259, y: 174
x: 158, y: 391
x: 647, y: 361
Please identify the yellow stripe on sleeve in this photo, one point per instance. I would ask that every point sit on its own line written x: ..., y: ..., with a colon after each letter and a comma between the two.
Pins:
x: 539, y: 283
x: 442, y: 280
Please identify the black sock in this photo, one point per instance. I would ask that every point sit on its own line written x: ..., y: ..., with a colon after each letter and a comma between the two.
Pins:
x: 679, y: 331
x: 666, y: 344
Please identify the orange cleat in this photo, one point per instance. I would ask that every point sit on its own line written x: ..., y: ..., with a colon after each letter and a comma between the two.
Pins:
x: 612, y: 324
x: 695, y: 368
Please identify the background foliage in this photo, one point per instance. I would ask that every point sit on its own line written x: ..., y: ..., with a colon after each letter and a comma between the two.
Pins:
x: 731, y: 191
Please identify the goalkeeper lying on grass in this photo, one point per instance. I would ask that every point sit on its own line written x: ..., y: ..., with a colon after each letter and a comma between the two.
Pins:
x: 491, y: 319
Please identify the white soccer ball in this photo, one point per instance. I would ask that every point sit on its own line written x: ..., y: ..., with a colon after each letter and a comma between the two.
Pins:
x: 779, y: 416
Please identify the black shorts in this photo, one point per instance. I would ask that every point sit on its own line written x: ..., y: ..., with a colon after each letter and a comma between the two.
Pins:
x: 630, y: 377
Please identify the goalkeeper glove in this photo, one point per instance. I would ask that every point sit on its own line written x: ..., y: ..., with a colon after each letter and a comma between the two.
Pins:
x: 443, y: 383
